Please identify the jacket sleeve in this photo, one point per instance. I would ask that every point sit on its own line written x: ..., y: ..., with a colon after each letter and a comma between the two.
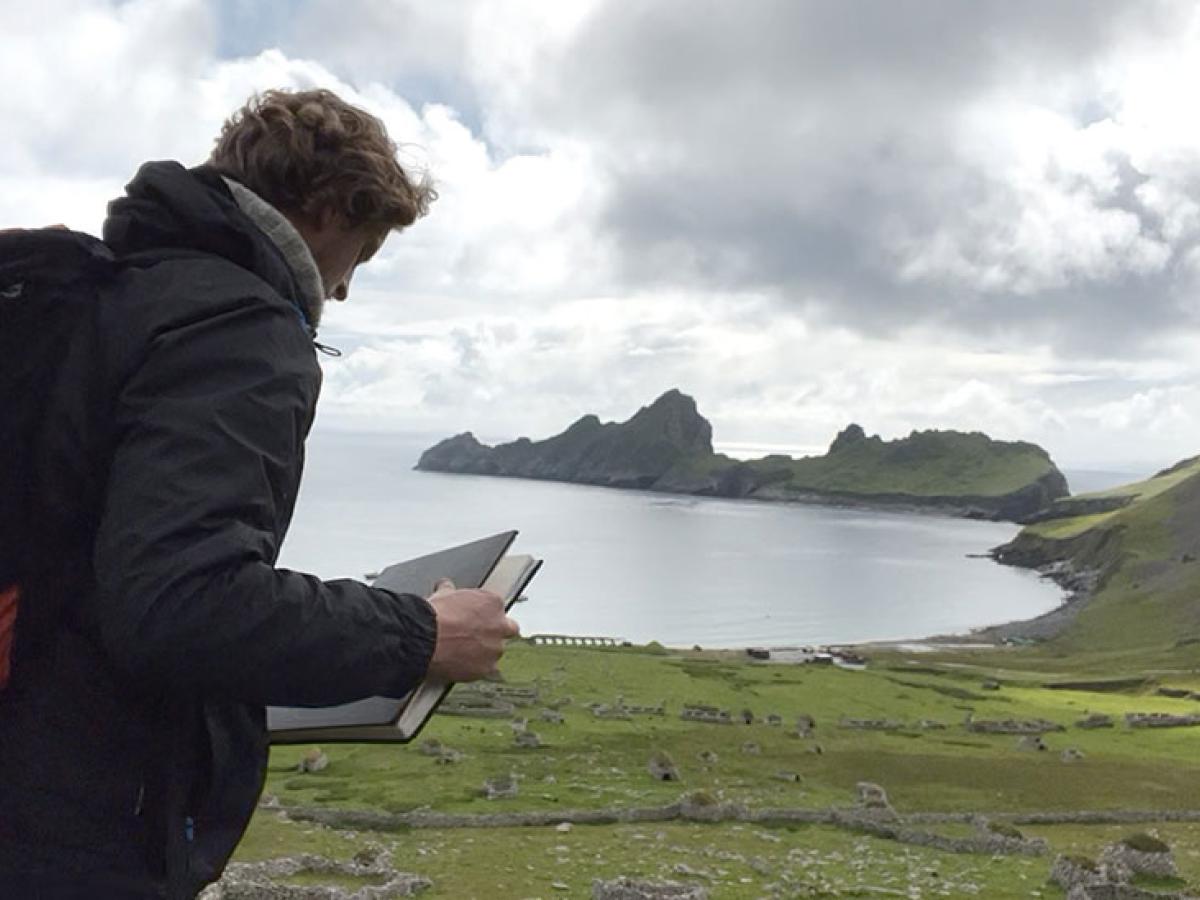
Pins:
x: 209, y: 441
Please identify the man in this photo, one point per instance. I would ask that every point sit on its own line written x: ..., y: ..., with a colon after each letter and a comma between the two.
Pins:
x: 133, y: 747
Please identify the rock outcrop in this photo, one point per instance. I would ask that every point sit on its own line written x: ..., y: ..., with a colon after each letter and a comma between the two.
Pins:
x: 667, y: 446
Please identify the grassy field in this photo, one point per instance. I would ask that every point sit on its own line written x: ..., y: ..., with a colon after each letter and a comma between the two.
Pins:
x: 589, y: 762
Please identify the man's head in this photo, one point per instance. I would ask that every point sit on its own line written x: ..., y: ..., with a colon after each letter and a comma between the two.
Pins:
x: 330, y: 168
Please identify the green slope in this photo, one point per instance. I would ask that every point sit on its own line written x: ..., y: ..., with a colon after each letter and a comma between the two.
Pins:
x: 1143, y: 563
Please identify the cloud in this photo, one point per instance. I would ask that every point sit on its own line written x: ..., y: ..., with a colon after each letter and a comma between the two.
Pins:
x: 911, y: 215
x: 984, y: 165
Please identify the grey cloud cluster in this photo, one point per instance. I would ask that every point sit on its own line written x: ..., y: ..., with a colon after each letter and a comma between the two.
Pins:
x: 880, y: 163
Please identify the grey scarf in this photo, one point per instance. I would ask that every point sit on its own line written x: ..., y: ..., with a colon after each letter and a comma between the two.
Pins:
x: 284, y: 235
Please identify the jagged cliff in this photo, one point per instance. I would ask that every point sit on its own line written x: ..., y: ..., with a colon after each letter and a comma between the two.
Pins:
x: 667, y: 446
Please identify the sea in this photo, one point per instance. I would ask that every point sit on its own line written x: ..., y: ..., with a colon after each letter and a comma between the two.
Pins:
x: 683, y: 571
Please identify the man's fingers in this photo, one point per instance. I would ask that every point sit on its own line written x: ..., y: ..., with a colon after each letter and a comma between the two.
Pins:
x: 511, y: 628
x: 442, y: 586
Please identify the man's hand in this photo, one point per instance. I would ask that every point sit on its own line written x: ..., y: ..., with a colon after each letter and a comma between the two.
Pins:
x: 471, y: 631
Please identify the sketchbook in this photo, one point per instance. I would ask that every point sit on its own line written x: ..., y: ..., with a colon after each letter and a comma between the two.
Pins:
x: 480, y: 564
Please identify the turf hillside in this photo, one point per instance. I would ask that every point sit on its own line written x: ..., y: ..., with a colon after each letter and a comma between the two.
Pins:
x: 667, y: 446
x: 1131, y: 555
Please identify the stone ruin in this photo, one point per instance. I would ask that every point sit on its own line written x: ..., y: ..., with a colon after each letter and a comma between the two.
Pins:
x: 784, y: 775
x: 572, y: 640
x: 637, y: 889
x: 1118, y: 891
x: 604, y: 711
x: 1160, y: 720
x: 698, y: 712
x: 872, y: 798
x: 313, y: 760
x: 751, y: 748
x: 805, y: 726
x: 636, y: 709
x: 1177, y: 693
x: 774, y: 720
x: 1071, y: 754
x: 931, y: 725
x: 1012, y: 726
x: 553, y: 716
x: 527, y: 740
x: 500, y: 787
x: 1031, y: 742
x: 474, y: 701
x: 870, y: 724
x: 1095, y: 720
x: 1109, y: 878
x: 661, y: 767
x: 516, y: 694
x: 746, y: 717
x: 262, y: 880
x: 1141, y: 854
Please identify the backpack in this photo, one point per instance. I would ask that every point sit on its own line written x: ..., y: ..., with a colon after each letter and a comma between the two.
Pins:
x: 50, y: 282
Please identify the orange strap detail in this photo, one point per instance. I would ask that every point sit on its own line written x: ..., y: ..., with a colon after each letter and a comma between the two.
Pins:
x: 8, y: 621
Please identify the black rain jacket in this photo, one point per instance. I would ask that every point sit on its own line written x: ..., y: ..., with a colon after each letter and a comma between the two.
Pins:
x: 133, y: 750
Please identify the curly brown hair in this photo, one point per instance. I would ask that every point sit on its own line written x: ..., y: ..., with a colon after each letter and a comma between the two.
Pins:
x: 309, y: 152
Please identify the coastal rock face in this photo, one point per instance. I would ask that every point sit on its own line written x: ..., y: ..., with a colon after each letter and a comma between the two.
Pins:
x: 635, y: 453
x: 667, y: 446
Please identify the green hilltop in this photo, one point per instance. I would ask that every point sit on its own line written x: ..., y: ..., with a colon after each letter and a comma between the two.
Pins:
x: 1130, y: 556
x: 667, y: 446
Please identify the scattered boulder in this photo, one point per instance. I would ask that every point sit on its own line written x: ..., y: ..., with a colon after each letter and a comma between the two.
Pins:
x: 805, y: 725
x: 528, y: 740
x: 552, y: 716
x: 662, y: 767
x: 746, y: 717
x: 1031, y: 742
x: 639, y: 889
x: 990, y: 684
x: 501, y: 787
x: 449, y: 756
x: 313, y: 760
x: 430, y: 747
x: 563, y: 827
x: 751, y: 748
x: 782, y: 775
x: 708, y: 757
x: 1071, y: 754
x: 774, y: 719
x: 931, y: 725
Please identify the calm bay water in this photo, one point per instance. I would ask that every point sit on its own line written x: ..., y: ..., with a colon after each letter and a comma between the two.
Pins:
x: 680, y: 570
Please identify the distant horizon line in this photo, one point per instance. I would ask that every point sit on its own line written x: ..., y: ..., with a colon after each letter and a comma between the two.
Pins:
x: 737, y: 449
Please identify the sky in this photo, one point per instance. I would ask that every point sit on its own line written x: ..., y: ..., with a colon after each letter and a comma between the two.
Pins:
x: 913, y: 214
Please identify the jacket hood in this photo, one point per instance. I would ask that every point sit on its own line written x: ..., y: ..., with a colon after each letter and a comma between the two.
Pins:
x: 168, y: 207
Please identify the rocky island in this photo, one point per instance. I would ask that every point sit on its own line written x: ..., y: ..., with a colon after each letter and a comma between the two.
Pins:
x: 667, y: 446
